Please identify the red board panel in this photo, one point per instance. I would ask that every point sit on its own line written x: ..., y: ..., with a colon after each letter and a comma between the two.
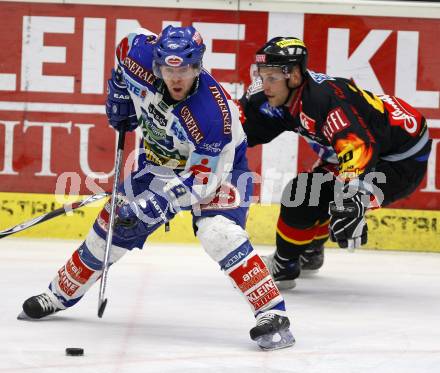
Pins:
x: 39, y: 147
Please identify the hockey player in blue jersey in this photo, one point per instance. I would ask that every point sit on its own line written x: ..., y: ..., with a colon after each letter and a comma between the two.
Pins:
x: 192, y: 158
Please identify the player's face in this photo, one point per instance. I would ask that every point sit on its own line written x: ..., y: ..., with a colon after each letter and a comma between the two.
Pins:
x: 179, y: 80
x: 274, y: 85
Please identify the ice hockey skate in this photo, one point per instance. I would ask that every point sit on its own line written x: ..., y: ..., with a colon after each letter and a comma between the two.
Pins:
x: 39, y: 306
x: 312, y: 260
x: 272, y: 332
x: 283, y: 270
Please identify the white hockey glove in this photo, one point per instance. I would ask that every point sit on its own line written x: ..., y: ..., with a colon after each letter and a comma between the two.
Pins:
x: 347, y: 222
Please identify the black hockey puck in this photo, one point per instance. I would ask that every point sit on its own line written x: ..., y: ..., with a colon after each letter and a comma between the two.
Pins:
x: 73, y: 351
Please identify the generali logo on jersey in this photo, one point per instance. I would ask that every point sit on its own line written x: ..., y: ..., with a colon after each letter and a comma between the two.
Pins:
x: 191, y: 124
x: 223, y: 109
x: 137, y: 69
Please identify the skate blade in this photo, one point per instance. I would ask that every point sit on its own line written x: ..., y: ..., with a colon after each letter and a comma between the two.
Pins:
x: 286, y: 284
x: 308, y: 272
x: 23, y: 316
x: 281, y: 339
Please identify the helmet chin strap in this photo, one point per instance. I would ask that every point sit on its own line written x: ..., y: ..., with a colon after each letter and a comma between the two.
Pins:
x: 292, y: 90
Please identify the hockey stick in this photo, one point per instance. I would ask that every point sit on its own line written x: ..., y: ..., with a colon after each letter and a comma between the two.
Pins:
x: 102, y: 302
x: 52, y: 214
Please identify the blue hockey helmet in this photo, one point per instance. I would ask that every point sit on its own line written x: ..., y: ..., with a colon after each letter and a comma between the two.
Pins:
x: 178, y: 46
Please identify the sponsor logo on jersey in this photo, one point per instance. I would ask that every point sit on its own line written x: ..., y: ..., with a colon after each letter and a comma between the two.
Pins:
x: 336, y: 122
x: 157, y: 116
x: 135, y: 88
x: 201, y: 171
x: 153, y: 133
x: 319, y: 77
x: 401, y: 114
x: 249, y: 275
x: 77, y: 269
x: 158, y: 145
x: 138, y: 70
x: 178, y: 131
x: 214, y: 147
x: 353, y: 156
x: 224, y: 109
x: 152, y: 155
x: 66, y: 285
x: 263, y: 294
x: 307, y: 122
x: 226, y: 197
x: 191, y: 124
x: 173, y: 61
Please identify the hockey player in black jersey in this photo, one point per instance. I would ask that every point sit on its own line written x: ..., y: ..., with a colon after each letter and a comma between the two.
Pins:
x: 372, y: 150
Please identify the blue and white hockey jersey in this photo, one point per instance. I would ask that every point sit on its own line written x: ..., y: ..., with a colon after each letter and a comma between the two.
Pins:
x: 200, y: 138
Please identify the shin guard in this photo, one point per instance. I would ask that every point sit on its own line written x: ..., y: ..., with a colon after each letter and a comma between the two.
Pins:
x: 251, y: 277
x: 82, y: 270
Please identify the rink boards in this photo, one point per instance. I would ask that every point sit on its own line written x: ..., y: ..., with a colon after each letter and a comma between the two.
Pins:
x: 56, y: 58
x: 54, y: 135
x: 389, y: 229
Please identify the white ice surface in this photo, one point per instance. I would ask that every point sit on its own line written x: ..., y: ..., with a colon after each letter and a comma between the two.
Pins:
x: 171, y: 310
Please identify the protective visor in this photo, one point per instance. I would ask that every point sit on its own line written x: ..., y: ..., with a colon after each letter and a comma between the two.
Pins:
x: 178, y: 72
x: 272, y: 76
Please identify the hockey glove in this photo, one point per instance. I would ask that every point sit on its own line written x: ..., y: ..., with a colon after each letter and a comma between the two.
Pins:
x: 151, y: 210
x: 119, y: 106
x: 347, y: 222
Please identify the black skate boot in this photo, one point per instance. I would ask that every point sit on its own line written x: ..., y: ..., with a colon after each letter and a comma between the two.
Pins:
x: 272, y: 332
x: 284, y: 271
x: 312, y: 259
x: 39, y: 306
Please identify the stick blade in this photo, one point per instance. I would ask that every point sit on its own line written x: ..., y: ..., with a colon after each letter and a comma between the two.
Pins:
x: 101, y: 308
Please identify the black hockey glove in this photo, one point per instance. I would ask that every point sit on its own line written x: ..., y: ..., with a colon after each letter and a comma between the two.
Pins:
x: 347, y: 222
